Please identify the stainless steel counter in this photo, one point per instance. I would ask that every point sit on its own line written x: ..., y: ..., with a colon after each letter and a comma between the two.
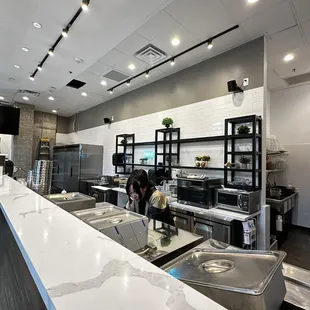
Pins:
x: 167, y: 242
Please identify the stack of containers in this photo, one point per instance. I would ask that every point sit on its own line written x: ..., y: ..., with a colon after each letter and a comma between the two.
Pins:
x: 42, y: 177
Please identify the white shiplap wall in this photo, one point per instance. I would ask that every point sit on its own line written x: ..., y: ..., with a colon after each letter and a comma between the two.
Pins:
x: 205, y: 118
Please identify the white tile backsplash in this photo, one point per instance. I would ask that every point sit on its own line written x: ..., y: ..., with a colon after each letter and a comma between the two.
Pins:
x: 205, y: 118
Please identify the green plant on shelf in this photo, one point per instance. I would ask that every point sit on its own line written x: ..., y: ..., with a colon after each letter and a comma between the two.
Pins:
x: 143, y: 161
x: 167, y: 122
x: 243, y: 129
x: 198, y: 158
x: 245, y: 161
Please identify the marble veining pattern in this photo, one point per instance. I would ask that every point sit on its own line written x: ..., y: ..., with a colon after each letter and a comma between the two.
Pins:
x: 116, y: 269
x: 76, y: 267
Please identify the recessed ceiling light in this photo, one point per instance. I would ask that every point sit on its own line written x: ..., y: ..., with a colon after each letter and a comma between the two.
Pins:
x: 78, y: 60
x: 252, y: 1
x: 37, y: 25
x: 26, y: 98
x: 51, y: 98
x: 84, y: 94
x: 25, y: 49
x: 1, y: 98
x: 175, y: 41
x: 132, y: 67
x: 288, y: 57
x: 54, y: 111
x: 17, y: 66
x: 103, y: 83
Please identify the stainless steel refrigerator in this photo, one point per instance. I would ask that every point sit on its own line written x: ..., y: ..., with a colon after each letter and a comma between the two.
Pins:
x: 75, y: 163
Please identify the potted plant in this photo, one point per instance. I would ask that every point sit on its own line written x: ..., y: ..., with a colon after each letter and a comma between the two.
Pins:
x: 167, y: 122
x: 245, y: 162
x: 168, y: 159
x: 205, y: 161
x: 143, y: 161
x: 198, y: 161
x: 243, y: 130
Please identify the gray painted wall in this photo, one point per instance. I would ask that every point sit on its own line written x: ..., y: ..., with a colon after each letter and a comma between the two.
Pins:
x: 202, y: 81
x: 62, y: 124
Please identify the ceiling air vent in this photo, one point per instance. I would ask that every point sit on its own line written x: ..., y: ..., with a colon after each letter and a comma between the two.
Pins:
x: 116, y: 76
x: 28, y: 92
x: 76, y: 84
x: 151, y: 54
x: 298, y: 79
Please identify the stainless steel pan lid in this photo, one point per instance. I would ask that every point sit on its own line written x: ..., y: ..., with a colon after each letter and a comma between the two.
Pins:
x: 246, y: 272
x: 101, y: 223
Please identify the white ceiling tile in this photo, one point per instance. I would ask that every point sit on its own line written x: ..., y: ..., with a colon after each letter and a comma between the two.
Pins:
x: 300, y: 65
x: 122, y: 66
x: 132, y: 44
x: 202, y: 18
x: 303, y: 9
x: 276, y: 18
x: 113, y: 57
x: 242, y: 10
x: 306, y: 30
x: 284, y: 42
x: 98, y: 68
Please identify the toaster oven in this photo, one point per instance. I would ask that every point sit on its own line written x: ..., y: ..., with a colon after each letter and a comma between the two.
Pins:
x: 198, y: 192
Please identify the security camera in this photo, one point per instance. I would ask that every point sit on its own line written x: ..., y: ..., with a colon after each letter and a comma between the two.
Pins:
x: 233, y: 87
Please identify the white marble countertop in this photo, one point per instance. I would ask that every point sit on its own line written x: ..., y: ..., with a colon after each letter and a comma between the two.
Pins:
x: 225, y: 214
x: 76, y: 267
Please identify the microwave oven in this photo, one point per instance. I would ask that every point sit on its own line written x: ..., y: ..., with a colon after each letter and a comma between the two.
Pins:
x: 238, y: 200
x: 198, y: 192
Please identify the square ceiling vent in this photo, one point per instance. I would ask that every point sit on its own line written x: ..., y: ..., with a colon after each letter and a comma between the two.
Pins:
x: 76, y: 84
x: 151, y: 54
x: 116, y: 76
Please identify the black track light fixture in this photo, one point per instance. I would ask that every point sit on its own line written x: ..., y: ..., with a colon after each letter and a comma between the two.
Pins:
x: 31, y: 77
x: 210, y: 44
x: 111, y: 91
x: 172, y: 62
x: 85, y: 4
x: 128, y: 82
x: 51, y: 52
x: 147, y: 74
x: 64, y: 32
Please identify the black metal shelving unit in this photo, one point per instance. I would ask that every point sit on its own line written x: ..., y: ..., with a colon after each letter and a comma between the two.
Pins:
x: 126, y: 143
x: 231, y: 137
x: 168, y: 139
